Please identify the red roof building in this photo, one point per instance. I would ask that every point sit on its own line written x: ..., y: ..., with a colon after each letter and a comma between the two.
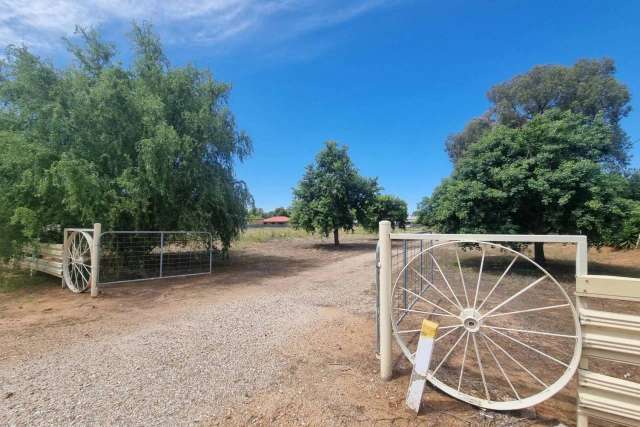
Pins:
x: 278, y: 220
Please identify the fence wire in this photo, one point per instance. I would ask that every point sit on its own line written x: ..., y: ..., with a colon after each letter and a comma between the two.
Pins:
x: 402, y: 252
x: 141, y: 255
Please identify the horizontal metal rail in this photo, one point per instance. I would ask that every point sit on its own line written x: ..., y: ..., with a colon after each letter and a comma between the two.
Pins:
x: 154, y: 232
x: 138, y: 255
x: 524, y: 238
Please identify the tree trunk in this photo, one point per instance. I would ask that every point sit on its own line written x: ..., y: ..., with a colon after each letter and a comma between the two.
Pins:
x: 336, y: 241
x: 538, y: 250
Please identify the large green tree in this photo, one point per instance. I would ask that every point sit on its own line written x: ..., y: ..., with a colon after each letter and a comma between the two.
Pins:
x: 146, y: 146
x: 387, y: 208
x: 545, y: 176
x: 332, y: 195
x: 588, y: 88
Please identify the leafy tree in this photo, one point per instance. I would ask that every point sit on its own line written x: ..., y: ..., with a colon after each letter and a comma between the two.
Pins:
x: 143, y: 147
x: 281, y: 211
x: 332, y: 195
x: 543, y: 177
x: 255, y: 214
x: 588, y: 88
x: 389, y: 208
x: 457, y: 143
x: 634, y: 186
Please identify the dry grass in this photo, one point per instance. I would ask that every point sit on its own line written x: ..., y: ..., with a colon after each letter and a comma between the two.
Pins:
x: 267, y: 234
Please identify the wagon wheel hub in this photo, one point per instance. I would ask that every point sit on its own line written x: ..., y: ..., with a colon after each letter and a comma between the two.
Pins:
x: 471, y: 319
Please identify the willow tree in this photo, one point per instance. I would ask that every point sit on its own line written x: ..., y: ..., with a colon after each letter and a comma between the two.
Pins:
x: 144, y: 146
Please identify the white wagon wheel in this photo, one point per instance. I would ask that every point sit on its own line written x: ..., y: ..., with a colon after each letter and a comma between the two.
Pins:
x: 505, y: 342
x: 77, y: 265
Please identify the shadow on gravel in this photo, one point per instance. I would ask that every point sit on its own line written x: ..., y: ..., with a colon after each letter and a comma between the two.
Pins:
x: 239, y: 270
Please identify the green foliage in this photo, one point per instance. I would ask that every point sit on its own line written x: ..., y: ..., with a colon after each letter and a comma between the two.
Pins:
x: 145, y: 147
x: 457, y: 143
x: 588, y: 88
x: 634, y: 186
x: 281, y: 211
x: 332, y: 195
x: 543, y: 177
x: 389, y: 208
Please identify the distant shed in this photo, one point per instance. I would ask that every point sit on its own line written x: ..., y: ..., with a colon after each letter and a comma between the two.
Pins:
x: 276, y: 220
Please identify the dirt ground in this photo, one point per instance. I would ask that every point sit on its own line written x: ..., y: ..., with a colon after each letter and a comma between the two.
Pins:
x: 321, y: 371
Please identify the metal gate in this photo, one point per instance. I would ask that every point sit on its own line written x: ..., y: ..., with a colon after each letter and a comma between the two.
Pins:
x: 127, y: 256
x: 401, y: 252
x: 91, y: 257
x: 505, y: 340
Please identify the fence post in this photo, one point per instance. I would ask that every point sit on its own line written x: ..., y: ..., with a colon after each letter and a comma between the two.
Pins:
x: 421, y: 268
x: 385, y: 300
x: 64, y: 254
x: 161, y: 250
x: 210, y: 253
x: 582, y: 254
x: 95, y: 259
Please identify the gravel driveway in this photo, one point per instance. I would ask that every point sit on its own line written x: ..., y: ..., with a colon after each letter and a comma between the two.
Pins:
x: 177, y: 360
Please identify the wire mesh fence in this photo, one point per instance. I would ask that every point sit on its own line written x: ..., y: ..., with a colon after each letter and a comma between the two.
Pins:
x: 141, y: 255
x: 414, y: 281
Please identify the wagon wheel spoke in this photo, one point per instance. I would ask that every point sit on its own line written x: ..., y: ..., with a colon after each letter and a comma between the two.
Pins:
x: 456, y: 305
x: 498, y: 282
x: 464, y: 286
x: 504, y: 374
x: 446, y: 356
x: 429, y: 313
x: 514, y: 296
x: 475, y: 299
x: 445, y: 281
x: 450, y: 330
x: 527, y: 331
x: 535, y: 350
x: 530, y: 310
x: 464, y: 358
x: 429, y: 302
x: 506, y: 353
x: 484, y: 381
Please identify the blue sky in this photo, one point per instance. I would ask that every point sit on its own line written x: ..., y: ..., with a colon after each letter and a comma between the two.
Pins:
x: 390, y: 79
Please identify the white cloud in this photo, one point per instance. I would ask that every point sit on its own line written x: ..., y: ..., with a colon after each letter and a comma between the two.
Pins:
x: 42, y: 23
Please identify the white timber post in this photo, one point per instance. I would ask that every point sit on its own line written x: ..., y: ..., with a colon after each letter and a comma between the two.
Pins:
x: 95, y: 259
x: 385, y: 300
x: 421, y: 365
x: 582, y: 263
x: 582, y: 254
x: 64, y: 255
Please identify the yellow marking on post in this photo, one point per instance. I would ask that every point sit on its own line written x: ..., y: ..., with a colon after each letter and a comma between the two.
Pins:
x: 429, y: 328
x: 421, y: 363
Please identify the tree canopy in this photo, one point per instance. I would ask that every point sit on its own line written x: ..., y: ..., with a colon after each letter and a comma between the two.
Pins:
x: 332, y: 195
x: 141, y: 147
x: 545, y: 176
x: 389, y: 208
x: 588, y: 88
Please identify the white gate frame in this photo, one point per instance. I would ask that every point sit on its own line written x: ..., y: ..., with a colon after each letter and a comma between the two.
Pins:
x: 385, y: 238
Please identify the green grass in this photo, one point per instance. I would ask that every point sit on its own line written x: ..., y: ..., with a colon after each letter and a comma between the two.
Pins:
x: 12, y: 280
